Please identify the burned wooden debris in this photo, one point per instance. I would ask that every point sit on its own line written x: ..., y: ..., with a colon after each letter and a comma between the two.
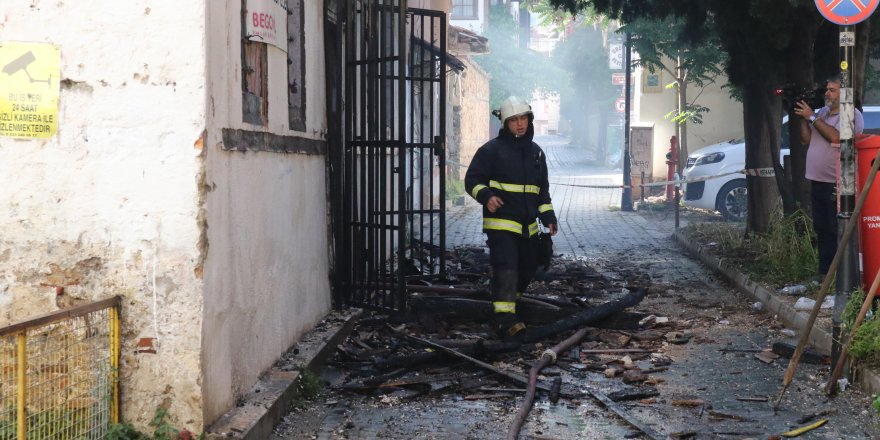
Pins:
x: 445, y: 345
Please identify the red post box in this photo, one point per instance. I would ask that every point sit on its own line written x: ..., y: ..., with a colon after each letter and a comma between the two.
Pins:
x: 867, y: 147
x: 671, y: 163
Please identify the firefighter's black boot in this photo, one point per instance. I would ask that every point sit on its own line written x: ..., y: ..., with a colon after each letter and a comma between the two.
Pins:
x: 504, y: 300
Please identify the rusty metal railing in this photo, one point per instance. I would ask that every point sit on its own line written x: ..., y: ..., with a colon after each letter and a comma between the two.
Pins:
x: 59, y: 374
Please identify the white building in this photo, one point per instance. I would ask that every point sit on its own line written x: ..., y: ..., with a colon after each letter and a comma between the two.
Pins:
x: 160, y: 186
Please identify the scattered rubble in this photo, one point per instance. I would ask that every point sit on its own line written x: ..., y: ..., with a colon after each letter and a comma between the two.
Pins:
x: 443, y: 358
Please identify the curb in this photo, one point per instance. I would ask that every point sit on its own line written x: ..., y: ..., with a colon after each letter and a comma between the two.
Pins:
x: 255, y: 414
x: 867, y: 380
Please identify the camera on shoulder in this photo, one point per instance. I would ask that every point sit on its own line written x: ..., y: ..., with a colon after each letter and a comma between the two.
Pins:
x: 791, y: 95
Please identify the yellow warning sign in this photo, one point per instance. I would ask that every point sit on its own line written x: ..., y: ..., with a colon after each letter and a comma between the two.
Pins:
x: 29, y: 87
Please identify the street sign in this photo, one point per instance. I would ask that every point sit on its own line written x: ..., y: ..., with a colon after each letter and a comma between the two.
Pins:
x: 846, y: 12
x: 615, y: 56
x: 620, y: 105
x: 618, y: 78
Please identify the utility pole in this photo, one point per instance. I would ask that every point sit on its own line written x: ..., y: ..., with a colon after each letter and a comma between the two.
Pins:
x: 848, y: 273
x: 626, y: 201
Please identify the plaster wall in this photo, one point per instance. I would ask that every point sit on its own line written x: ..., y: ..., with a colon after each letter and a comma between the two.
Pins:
x: 108, y: 205
x: 723, y: 122
x: 267, y: 267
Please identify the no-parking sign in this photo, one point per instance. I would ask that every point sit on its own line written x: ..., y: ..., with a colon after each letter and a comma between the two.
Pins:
x: 846, y: 12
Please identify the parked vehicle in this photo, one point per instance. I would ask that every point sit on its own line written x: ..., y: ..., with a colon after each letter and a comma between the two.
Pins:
x: 727, y: 194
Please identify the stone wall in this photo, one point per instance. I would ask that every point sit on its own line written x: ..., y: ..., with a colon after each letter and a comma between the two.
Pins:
x: 475, y: 111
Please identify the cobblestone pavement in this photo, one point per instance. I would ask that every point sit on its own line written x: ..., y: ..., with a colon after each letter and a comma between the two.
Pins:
x: 594, y: 229
x: 591, y: 224
x: 717, y: 367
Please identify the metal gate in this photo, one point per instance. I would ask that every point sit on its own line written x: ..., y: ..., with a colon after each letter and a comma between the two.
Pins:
x: 392, y: 171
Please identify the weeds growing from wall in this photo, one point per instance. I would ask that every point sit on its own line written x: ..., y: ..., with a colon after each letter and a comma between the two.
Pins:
x: 309, y: 384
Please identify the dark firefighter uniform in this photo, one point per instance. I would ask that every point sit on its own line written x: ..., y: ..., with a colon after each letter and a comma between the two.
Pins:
x: 514, y: 169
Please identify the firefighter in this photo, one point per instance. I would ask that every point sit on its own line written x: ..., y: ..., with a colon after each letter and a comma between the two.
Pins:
x: 508, y: 176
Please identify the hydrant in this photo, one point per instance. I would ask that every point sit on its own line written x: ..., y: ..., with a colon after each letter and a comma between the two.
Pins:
x: 671, y: 163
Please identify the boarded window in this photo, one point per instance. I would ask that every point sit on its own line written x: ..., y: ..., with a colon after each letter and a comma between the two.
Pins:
x: 296, y: 65
x: 464, y: 9
x: 254, y: 77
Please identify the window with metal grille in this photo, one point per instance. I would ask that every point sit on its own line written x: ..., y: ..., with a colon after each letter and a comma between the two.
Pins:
x: 464, y: 9
x: 254, y: 77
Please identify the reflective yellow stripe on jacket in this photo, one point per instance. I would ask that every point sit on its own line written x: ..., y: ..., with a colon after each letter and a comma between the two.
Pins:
x: 477, y: 188
x: 500, y: 224
x: 513, y: 187
x: 545, y: 207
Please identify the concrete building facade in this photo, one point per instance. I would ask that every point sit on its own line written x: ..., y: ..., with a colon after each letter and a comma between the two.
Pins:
x: 157, y: 189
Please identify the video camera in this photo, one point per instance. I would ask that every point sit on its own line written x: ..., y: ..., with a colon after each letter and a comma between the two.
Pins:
x: 815, y: 98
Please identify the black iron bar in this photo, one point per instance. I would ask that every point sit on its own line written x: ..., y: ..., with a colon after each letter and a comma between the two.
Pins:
x: 441, y: 154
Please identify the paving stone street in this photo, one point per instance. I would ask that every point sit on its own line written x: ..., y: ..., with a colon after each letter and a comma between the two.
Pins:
x: 717, y: 367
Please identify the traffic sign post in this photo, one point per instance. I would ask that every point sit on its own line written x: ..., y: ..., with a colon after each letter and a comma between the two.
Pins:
x: 848, y: 273
x: 846, y: 12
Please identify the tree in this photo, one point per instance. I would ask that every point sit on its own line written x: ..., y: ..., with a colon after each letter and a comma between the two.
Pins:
x: 768, y: 43
x: 658, y: 44
x: 591, y: 95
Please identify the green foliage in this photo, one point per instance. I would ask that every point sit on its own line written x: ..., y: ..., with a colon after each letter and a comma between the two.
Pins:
x: 866, y: 342
x: 853, y: 306
x: 661, y: 45
x: 55, y: 423
x: 7, y: 426
x: 784, y: 254
x: 692, y: 113
x: 162, y: 430
x: 785, y: 251
x: 727, y: 237
x: 309, y: 384
x: 876, y: 403
x: 124, y: 431
x: 766, y: 43
x: 559, y: 19
x: 514, y: 70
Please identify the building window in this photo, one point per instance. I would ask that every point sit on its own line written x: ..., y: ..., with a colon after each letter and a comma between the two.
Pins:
x: 254, y: 77
x: 296, y: 65
x: 464, y: 9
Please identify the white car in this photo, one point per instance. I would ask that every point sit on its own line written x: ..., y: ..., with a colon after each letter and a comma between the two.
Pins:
x: 727, y: 194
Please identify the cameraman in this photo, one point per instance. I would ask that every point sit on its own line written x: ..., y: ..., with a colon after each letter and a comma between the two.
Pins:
x: 820, y: 134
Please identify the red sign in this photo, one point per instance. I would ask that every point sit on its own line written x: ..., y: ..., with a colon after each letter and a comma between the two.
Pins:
x: 846, y: 12
x: 620, y: 105
x: 617, y: 79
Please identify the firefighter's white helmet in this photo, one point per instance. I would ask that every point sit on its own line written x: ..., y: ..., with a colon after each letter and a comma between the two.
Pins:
x: 513, y: 106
